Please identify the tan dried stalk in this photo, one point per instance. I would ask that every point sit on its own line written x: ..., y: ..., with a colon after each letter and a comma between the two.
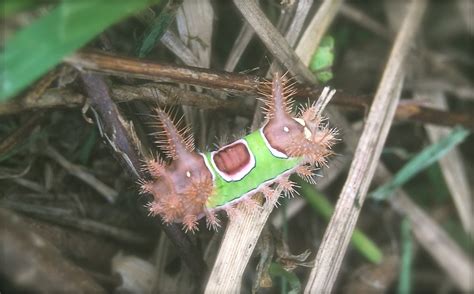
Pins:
x: 316, y: 29
x: 242, y: 235
x: 340, y: 228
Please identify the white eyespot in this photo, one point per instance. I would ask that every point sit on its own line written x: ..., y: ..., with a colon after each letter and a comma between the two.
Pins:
x: 188, y: 174
x: 286, y: 129
x: 307, y: 133
x: 300, y: 121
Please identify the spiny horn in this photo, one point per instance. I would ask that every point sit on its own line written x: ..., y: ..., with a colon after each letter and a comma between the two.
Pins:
x: 278, y: 101
x: 176, y: 142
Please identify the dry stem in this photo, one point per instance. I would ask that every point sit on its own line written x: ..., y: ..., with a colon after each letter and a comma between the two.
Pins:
x: 125, y: 66
x: 241, y: 236
x: 339, y: 231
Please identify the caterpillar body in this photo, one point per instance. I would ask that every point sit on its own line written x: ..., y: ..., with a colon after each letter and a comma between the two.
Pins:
x: 196, y: 185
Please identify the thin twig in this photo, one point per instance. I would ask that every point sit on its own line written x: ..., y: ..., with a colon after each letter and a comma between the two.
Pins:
x: 66, y: 218
x: 169, y: 95
x: 273, y: 40
x: 110, y: 123
x: 339, y: 231
x: 125, y: 66
x: 81, y: 173
x: 138, y: 68
x: 119, y: 138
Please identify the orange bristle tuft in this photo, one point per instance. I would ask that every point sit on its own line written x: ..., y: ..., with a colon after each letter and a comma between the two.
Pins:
x: 287, y: 186
x: 312, y: 153
x: 250, y: 204
x: 211, y: 220
x: 307, y: 173
x: 154, y: 208
x: 269, y: 193
x: 190, y: 223
x: 172, y: 207
x: 311, y: 113
x: 232, y: 212
x: 326, y: 137
x: 145, y: 186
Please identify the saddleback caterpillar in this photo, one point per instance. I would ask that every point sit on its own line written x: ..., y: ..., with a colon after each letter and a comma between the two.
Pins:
x: 196, y: 185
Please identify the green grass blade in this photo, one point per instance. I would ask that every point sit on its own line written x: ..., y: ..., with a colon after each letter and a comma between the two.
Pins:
x: 158, y: 27
x: 359, y: 240
x: 43, y: 44
x: 87, y: 147
x: 404, y: 282
x: 421, y: 161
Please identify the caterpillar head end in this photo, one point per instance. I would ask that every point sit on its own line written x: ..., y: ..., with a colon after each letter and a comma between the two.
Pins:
x: 304, y: 135
x: 180, y: 189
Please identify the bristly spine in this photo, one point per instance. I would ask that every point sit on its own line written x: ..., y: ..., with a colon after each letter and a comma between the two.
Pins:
x: 195, y: 185
x: 171, y: 139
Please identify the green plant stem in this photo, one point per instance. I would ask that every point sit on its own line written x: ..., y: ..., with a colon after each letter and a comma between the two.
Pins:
x: 404, y: 282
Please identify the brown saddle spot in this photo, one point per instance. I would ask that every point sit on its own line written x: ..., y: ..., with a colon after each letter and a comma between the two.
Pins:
x: 231, y: 159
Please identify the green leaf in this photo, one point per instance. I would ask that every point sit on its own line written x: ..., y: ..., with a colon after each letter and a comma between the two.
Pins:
x: 359, y: 240
x: 324, y: 76
x: 323, y: 59
x: 40, y: 46
x: 425, y: 158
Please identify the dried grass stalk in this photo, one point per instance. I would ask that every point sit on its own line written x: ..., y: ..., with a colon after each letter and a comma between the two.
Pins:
x: 339, y: 231
x: 242, y: 235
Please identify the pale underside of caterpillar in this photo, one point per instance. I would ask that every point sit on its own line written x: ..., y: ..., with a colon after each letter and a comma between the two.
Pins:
x: 196, y: 185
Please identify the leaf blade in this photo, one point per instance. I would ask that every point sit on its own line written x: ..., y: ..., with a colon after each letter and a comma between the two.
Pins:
x: 40, y: 46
